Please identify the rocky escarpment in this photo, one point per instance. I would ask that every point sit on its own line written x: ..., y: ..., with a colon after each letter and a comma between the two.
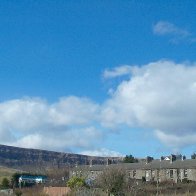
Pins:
x: 23, y: 158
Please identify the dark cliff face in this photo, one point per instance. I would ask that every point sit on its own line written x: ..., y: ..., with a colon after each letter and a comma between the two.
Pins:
x: 31, y: 158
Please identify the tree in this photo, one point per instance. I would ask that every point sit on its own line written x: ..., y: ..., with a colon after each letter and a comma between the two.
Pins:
x: 130, y: 159
x: 112, y: 180
x: 14, y: 179
x: 5, y: 183
x: 76, y: 182
x: 193, y: 156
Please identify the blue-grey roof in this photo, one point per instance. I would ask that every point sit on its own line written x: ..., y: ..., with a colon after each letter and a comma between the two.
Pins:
x: 155, y: 164
x: 26, y: 177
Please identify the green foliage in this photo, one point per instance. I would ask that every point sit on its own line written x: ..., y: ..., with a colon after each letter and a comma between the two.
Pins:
x: 18, y: 192
x: 130, y: 159
x: 14, y: 179
x: 76, y: 182
x: 5, y: 183
x: 193, y: 156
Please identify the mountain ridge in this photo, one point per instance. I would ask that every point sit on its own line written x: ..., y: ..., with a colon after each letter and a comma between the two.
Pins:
x: 29, y: 159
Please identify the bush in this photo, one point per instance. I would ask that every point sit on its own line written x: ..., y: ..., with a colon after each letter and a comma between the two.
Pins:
x: 18, y: 192
x: 14, y: 179
x: 5, y: 183
x: 76, y: 182
x: 112, y: 180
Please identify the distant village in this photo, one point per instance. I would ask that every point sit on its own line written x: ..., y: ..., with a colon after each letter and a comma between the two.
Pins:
x: 173, y: 169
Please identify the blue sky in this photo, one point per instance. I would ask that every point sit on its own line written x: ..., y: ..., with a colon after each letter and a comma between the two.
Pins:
x: 71, y: 68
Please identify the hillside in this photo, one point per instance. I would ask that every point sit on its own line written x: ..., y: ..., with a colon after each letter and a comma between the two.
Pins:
x: 6, y: 172
x: 27, y: 159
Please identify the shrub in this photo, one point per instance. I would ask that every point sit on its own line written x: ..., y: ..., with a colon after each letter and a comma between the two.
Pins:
x: 5, y: 183
x: 76, y: 182
x: 18, y: 192
x: 112, y: 180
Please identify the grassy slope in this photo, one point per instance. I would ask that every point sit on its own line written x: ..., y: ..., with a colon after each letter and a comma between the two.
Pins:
x: 6, y: 172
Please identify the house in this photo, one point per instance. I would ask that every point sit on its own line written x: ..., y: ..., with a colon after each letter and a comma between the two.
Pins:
x: 173, y: 157
x: 31, y: 179
x: 175, y: 170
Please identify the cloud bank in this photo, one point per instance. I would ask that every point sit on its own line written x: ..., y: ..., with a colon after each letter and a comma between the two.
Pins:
x: 34, y: 123
x: 102, y: 152
x: 159, y: 97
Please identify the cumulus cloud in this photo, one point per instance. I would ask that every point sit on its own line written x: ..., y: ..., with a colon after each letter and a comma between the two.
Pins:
x: 34, y: 123
x: 176, y: 141
x: 158, y: 96
x: 103, y: 152
x: 117, y: 71
x: 177, y: 34
x: 30, y: 113
x: 59, y: 140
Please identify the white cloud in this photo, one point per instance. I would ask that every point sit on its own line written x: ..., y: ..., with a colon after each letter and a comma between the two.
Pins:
x: 176, y: 141
x: 157, y: 96
x: 176, y: 34
x: 73, y: 110
x: 160, y: 95
x: 103, y: 152
x: 34, y: 123
x: 165, y: 28
x: 117, y: 71
x: 58, y: 140
x: 29, y: 113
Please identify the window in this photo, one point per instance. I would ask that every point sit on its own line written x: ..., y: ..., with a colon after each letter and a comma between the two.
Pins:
x: 158, y: 173
x: 185, y: 173
x: 153, y: 173
x: 134, y: 173
x: 147, y: 174
x: 171, y: 173
x: 178, y: 173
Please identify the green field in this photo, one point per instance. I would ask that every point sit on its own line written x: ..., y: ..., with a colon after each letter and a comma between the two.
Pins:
x: 6, y: 172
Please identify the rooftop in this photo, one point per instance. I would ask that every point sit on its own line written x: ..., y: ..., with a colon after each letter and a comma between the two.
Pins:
x: 154, y: 164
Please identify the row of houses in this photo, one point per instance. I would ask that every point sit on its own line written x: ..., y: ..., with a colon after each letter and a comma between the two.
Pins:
x: 172, y: 168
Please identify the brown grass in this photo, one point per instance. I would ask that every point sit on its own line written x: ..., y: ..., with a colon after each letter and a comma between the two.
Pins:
x: 184, y: 189
x: 33, y: 191
x: 6, y: 173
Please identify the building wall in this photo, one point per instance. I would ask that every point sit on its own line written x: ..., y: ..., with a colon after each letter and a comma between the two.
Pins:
x: 160, y: 175
x: 139, y: 174
x: 136, y: 174
x: 148, y: 175
x: 163, y: 175
x: 85, y: 173
x: 191, y: 174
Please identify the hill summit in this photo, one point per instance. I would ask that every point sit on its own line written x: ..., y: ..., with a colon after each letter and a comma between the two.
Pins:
x: 28, y: 159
